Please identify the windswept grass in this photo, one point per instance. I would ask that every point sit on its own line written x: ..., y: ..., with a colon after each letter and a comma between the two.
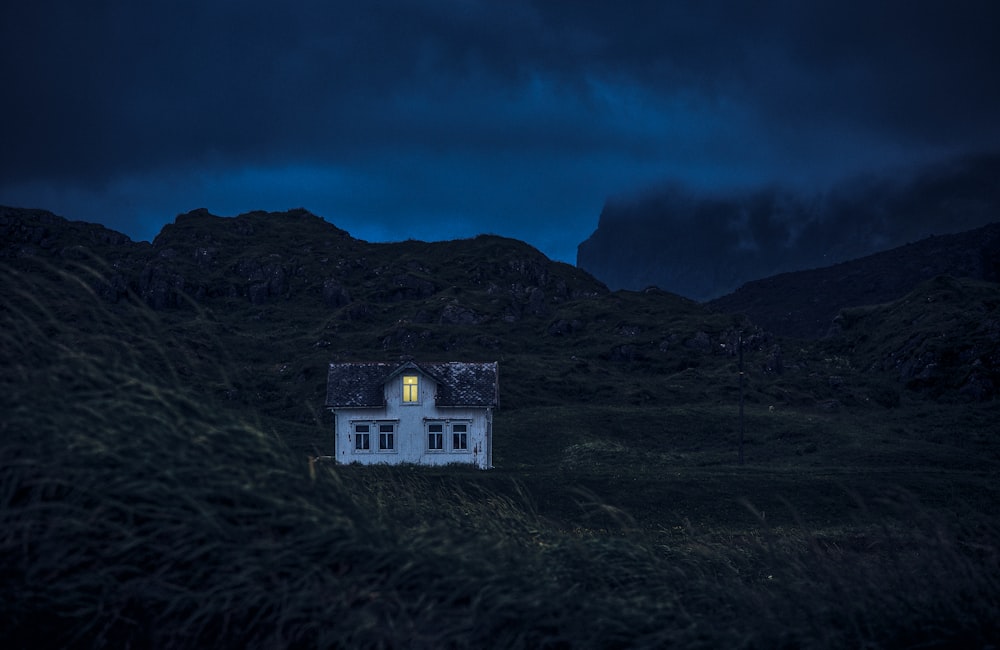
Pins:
x: 137, y: 511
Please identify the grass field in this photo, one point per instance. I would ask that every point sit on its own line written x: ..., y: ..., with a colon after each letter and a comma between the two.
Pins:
x: 141, y: 504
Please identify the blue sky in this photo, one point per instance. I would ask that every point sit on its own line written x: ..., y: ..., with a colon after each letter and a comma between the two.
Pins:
x: 444, y: 119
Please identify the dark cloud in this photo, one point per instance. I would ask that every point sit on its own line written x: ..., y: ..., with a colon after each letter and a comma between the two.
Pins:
x: 704, y: 244
x: 436, y: 103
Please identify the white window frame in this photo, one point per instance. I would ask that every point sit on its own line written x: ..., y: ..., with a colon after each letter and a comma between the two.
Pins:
x: 357, y: 437
x: 441, y: 433
x: 452, y: 433
x: 405, y: 389
x: 392, y: 426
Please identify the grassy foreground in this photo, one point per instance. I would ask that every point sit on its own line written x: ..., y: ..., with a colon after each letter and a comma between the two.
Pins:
x: 137, y: 513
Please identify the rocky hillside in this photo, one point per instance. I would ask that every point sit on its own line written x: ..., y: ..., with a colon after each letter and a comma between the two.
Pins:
x: 267, y: 258
x: 803, y: 304
x: 271, y: 298
x: 942, y: 338
x: 248, y: 311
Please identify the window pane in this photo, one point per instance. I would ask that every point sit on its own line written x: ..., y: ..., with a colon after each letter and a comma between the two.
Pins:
x: 410, y: 393
x: 435, y: 428
x: 459, y: 428
x: 362, y: 437
x: 385, y: 428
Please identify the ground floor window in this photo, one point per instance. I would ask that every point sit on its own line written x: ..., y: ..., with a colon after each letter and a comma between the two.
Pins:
x: 443, y: 435
x: 365, y: 433
x: 387, y: 437
x: 362, y: 438
x: 460, y: 437
x: 435, y: 436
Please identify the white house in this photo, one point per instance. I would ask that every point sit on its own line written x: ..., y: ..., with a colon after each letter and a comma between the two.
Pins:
x: 426, y: 413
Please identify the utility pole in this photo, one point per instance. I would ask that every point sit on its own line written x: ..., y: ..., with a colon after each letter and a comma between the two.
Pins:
x: 741, y: 396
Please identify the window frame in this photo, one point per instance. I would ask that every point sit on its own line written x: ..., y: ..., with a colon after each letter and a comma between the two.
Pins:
x: 454, y: 434
x: 440, y: 434
x: 410, y: 390
x: 361, y: 435
x: 389, y: 435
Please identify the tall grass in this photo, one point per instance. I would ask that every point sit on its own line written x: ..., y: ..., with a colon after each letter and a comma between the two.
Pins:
x: 137, y: 512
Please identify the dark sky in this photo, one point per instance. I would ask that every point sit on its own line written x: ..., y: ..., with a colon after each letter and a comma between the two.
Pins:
x: 442, y: 119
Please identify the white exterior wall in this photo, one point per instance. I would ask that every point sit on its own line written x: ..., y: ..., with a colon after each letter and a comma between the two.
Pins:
x: 411, y: 435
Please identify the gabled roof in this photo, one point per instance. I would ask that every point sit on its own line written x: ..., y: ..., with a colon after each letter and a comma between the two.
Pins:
x: 459, y: 383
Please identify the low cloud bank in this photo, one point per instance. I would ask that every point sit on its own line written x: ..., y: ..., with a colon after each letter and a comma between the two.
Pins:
x: 703, y: 245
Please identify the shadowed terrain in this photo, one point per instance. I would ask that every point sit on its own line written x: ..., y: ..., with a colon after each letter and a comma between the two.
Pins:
x: 163, y: 407
x: 804, y: 304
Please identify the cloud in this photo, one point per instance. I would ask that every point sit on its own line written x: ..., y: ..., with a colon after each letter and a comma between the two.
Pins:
x: 703, y: 244
x: 482, y: 97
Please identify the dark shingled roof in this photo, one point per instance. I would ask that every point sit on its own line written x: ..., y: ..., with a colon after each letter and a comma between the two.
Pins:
x: 460, y: 383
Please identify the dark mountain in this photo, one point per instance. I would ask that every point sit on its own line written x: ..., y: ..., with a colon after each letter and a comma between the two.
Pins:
x: 704, y: 245
x: 803, y: 304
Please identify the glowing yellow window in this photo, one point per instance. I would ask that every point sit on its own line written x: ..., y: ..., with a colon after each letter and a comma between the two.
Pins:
x: 410, y: 388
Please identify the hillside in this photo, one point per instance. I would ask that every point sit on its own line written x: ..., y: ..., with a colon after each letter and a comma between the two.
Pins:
x: 275, y: 297
x: 268, y: 299
x: 163, y: 404
x: 290, y: 292
x: 803, y: 304
x: 945, y: 333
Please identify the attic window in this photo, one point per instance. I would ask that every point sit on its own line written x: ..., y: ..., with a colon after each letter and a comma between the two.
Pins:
x: 411, y: 388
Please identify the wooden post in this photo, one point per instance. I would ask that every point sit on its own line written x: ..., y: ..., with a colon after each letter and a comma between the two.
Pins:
x: 741, y: 397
